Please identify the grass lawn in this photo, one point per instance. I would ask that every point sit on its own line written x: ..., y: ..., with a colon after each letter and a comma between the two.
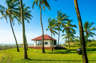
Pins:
x: 35, y: 56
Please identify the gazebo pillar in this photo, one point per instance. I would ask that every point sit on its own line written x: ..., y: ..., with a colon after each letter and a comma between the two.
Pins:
x: 36, y: 42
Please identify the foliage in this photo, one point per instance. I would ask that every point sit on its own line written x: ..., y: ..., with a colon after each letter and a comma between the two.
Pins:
x: 41, y: 3
x: 69, y: 30
x: 51, y: 26
x: 26, y: 13
x: 89, y: 29
x: 56, y: 25
x: 61, y: 20
x: 9, y: 11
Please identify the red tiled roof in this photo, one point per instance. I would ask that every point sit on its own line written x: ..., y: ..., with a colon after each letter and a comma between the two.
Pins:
x: 46, y: 37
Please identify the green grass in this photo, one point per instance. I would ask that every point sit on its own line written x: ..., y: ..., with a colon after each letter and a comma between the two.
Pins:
x: 35, y: 56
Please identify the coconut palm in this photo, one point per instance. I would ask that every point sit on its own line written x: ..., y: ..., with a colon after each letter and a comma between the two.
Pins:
x: 41, y: 4
x: 61, y: 20
x: 24, y: 15
x: 51, y: 27
x: 88, y: 29
x: 9, y: 12
x: 70, y: 32
x: 82, y: 39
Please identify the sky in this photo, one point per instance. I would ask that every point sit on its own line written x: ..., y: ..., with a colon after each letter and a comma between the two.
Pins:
x: 33, y: 29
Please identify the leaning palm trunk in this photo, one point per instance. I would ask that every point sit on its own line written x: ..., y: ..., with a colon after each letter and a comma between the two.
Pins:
x: 82, y: 39
x: 43, y: 49
x: 23, y: 30
x: 14, y: 36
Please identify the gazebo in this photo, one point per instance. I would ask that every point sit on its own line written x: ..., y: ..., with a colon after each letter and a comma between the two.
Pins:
x: 49, y: 42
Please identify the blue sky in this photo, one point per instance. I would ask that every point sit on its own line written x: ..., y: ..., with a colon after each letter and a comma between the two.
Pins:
x: 33, y: 29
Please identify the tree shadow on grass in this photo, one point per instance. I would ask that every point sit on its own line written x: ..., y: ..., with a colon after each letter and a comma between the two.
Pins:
x: 50, y: 60
x: 62, y: 52
x: 53, y: 60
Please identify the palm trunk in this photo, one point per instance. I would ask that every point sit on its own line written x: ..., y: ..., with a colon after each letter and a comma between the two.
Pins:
x: 68, y: 38
x: 51, y: 34
x: 58, y: 37
x: 82, y: 39
x: 23, y: 30
x: 14, y: 36
x: 86, y: 36
x: 26, y: 43
x: 43, y: 49
x: 68, y: 42
x: 52, y: 44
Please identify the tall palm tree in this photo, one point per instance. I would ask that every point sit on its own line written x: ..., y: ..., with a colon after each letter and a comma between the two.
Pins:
x: 41, y: 4
x: 82, y: 39
x: 69, y: 29
x: 61, y: 20
x: 9, y: 12
x: 51, y: 28
x: 88, y: 29
x: 24, y: 15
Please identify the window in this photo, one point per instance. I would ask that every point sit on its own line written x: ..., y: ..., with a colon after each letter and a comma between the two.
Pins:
x: 46, y: 43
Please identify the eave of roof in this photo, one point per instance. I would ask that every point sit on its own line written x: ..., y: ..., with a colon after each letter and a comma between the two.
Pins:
x: 46, y: 37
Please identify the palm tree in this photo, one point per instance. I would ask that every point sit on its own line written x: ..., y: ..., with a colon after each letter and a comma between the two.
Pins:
x: 24, y: 15
x: 9, y: 12
x: 69, y: 31
x: 88, y: 29
x: 82, y: 39
x: 51, y: 27
x: 41, y: 4
x: 61, y: 20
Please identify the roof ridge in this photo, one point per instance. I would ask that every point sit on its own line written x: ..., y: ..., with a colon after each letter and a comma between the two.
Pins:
x: 46, y: 37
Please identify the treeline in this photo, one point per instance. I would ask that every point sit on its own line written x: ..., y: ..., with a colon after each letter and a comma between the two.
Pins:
x: 4, y: 47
